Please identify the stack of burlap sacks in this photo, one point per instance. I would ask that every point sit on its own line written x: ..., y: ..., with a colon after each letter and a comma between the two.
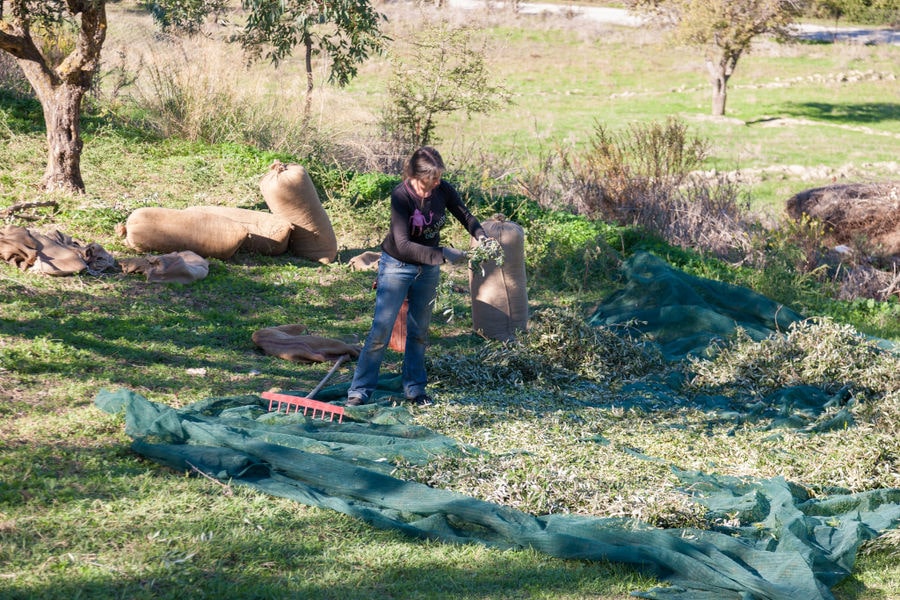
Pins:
x: 297, y: 223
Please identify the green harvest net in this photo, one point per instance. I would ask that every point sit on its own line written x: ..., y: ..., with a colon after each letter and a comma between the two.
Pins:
x: 797, y: 547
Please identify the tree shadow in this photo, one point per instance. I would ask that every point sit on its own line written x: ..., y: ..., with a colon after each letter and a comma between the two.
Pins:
x: 864, y: 112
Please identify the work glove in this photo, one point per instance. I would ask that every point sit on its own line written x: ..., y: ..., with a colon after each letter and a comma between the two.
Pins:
x: 453, y: 256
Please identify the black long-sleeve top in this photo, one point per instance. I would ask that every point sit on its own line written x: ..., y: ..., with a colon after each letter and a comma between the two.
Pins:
x: 416, y: 239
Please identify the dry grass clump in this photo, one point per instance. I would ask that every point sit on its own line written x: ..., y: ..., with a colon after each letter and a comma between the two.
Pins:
x: 645, y: 177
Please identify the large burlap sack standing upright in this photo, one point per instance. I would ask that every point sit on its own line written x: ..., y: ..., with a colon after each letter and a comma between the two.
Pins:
x: 268, y: 234
x: 499, y: 294
x: 157, y: 229
x: 289, y: 192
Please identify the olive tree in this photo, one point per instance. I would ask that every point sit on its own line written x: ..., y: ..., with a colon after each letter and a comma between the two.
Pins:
x: 724, y: 29
x: 60, y: 74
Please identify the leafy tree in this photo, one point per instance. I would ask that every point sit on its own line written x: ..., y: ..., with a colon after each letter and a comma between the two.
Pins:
x: 724, y: 29
x: 441, y: 71
x: 57, y: 45
x: 344, y: 31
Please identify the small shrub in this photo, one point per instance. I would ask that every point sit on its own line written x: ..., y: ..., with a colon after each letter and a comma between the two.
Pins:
x: 370, y: 188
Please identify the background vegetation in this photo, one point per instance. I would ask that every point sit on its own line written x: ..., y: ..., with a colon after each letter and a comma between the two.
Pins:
x: 175, y: 122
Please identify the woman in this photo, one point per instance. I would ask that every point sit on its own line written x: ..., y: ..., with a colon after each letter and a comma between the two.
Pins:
x: 409, y: 268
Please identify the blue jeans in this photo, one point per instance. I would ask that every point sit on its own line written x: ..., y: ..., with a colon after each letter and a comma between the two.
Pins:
x: 397, y: 281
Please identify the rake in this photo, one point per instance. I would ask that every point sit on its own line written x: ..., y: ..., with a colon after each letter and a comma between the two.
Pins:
x: 287, y: 402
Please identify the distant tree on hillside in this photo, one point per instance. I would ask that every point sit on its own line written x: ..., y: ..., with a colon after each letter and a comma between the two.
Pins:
x: 724, y: 29
x: 57, y: 45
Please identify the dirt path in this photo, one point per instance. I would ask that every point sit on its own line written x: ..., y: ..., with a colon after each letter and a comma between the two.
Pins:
x: 619, y: 16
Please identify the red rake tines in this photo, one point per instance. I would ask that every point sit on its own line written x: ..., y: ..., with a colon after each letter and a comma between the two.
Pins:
x: 296, y: 402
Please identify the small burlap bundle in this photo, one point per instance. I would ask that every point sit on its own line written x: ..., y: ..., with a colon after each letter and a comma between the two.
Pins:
x: 156, y: 229
x: 499, y: 294
x: 268, y: 234
x: 367, y: 261
x: 291, y: 342
x: 289, y: 193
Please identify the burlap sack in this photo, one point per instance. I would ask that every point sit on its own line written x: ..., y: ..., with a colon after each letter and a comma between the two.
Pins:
x: 367, y: 261
x: 58, y: 254
x: 291, y: 342
x: 156, y: 229
x: 268, y: 234
x: 289, y: 193
x: 499, y: 295
x: 177, y: 267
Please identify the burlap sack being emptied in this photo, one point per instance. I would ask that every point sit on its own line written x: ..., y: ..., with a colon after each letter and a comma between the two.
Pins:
x: 499, y: 296
x: 289, y: 192
x: 268, y: 234
x: 157, y: 229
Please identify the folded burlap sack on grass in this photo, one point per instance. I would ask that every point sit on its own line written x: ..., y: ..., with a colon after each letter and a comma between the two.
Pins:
x: 175, y: 267
x: 292, y: 342
x: 52, y: 253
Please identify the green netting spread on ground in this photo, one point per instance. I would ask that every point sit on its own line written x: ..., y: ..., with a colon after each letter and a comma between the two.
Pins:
x: 683, y: 313
x: 802, y: 548
x: 797, y: 548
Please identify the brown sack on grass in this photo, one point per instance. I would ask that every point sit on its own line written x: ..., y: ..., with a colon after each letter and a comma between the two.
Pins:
x: 291, y: 342
x: 157, y: 229
x: 268, y: 234
x: 18, y: 247
x: 367, y: 261
x: 176, y: 267
x: 52, y: 253
x: 499, y: 295
x: 290, y: 193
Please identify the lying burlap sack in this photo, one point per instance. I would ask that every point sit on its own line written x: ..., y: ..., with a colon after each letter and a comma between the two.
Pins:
x: 18, y: 247
x: 499, y: 294
x: 291, y: 342
x: 367, y: 261
x: 52, y: 253
x: 157, y: 229
x: 289, y: 192
x: 868, y: 211
x: 268, y: 234
x: 176, y: 267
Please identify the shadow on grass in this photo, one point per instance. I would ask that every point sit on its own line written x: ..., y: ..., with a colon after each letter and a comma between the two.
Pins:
x: 865, y: 112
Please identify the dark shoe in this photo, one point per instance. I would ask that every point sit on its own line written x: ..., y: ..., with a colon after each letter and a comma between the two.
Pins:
x: 355, y: 401
x: 422, y: 400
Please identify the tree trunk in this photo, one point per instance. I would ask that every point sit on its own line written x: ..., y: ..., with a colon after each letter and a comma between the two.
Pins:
x: 62, y: 114
x: 307, y: 106
x: 718, y: 77
x: 61, y: 84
